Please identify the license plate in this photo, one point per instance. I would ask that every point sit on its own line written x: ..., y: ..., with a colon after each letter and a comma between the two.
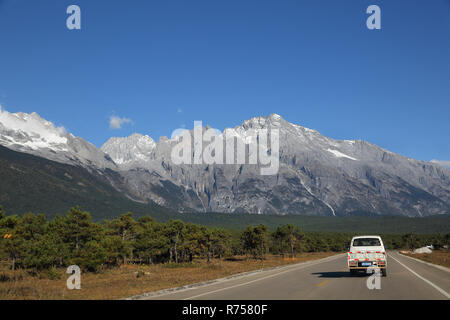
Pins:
x: 366, y: 264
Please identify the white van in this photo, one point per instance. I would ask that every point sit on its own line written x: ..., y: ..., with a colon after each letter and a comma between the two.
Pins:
x: 367, y: 252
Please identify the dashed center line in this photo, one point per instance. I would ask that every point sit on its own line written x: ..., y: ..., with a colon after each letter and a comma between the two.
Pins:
x: 322, y: 283
x: 295, y: 268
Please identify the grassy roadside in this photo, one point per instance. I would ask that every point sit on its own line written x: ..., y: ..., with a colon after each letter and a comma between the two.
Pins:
x: 132, y: 280
x: 439, y: 257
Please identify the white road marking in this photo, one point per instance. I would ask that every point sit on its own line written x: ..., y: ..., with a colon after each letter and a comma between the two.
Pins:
x: 427, y: 281
x: 199, y: 285
x: 428, y: 263
x: 263, y: 278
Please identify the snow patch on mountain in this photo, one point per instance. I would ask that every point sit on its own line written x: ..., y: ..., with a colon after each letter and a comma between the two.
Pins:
x: 341, y: 155
x: 126, y: 150
x: 442, y: 163
x: 30, y: 130
x: 32, y: 134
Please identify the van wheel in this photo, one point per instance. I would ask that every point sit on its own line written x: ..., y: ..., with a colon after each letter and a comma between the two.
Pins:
x: 384, y: 272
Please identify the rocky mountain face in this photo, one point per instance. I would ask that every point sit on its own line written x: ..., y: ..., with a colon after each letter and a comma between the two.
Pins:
x: 135, y: 149
x: 317, y: 175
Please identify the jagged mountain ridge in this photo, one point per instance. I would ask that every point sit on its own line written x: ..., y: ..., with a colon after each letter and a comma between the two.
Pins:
x: 317, y: 175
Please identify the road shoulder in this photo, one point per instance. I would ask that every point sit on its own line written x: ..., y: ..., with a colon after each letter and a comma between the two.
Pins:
x: 238, y: 276
x: 421, y: 272
x: 426, y: 262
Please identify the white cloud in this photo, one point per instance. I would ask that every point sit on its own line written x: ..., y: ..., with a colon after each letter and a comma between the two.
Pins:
x: 179, y: 110
x: 116, y: 122
x: 444, y: 163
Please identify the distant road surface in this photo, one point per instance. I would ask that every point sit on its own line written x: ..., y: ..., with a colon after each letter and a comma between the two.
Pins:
x: 326, y: 279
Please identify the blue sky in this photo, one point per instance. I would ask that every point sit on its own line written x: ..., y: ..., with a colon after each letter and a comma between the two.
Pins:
x: 163, y: 64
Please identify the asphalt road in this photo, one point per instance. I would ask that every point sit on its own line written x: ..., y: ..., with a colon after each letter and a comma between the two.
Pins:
x: 325, y: 279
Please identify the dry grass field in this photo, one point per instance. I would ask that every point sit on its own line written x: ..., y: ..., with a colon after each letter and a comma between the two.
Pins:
x: 440, y: 257
x: 130, y: 280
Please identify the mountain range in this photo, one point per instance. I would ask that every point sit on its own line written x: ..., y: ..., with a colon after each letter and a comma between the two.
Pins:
x: 317, y: 175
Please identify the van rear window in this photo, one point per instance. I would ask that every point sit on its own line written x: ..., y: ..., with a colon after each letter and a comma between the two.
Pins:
x: 366, y: 242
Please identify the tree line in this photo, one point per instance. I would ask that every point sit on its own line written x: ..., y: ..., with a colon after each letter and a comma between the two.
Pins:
x: 32, y: 242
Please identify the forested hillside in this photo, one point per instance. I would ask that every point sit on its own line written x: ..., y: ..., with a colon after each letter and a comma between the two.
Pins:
x: 34, y: 184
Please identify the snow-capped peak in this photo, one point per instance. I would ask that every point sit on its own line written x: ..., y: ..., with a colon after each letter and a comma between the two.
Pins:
x: 31, y: 131
x: 32, y: 134
x: 124, y: 150
x: 273, y: 120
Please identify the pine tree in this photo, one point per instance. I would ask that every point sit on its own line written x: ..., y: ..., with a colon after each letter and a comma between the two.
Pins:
x: 255, y: 240
x: 2, y: 213
x: 175, y: 231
